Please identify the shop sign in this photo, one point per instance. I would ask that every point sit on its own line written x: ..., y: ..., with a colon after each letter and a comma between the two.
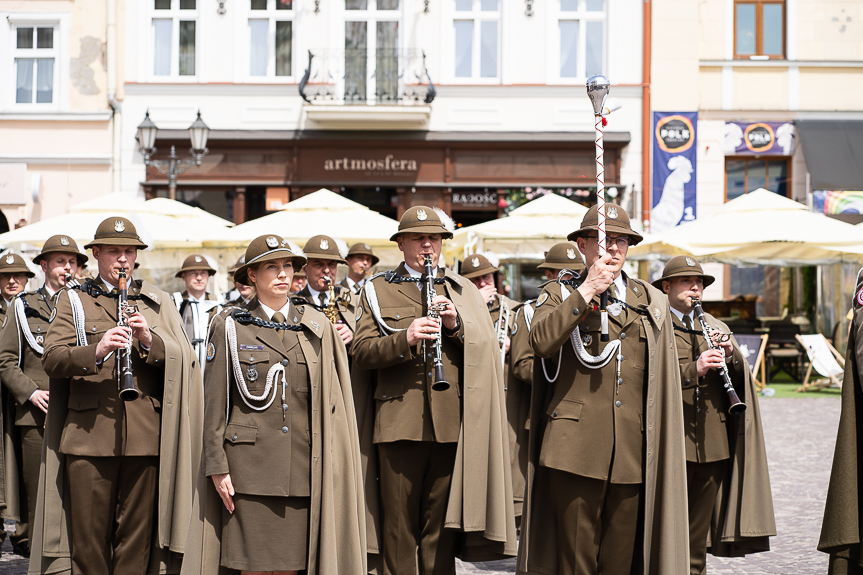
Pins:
x: 371, y: 165
x: 837, y: 202
x: 750, y: 138
x: 674, y: 161
x: 475, y: 199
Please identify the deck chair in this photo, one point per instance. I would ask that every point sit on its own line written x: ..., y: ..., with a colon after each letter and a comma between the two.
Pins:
x: 824, y: 359
x: 752, y: 347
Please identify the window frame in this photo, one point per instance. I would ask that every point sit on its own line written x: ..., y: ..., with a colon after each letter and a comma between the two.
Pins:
x: 554, y: 17
x: 60, y: 22
x: 272, y: 16
x: 477, y: 16
x: 759, y: 30
x: 758, y: 158
x: 176, y: 15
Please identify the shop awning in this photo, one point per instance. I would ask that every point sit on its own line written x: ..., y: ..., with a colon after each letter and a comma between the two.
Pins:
x: 834, y: 153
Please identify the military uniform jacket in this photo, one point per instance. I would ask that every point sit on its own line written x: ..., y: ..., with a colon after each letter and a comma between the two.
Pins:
x: 595, y: 417
x: 355, y: 290
x: 346, y: 312
x: 519, y: 373
x: 99, y: 423
x: 20, y: 364
x: 705, y: 401
x: 406, y: 406
x: 266, y: 452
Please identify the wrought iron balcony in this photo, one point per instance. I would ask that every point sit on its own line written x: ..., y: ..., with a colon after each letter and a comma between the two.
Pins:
x: 358, y: 76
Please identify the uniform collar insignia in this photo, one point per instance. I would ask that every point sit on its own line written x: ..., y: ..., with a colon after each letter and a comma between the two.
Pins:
x: 657, y: 314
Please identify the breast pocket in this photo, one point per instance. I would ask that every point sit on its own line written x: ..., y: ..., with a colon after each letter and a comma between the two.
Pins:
x: 254, y: 366
x: 96, y: 329
x: 399, y: 317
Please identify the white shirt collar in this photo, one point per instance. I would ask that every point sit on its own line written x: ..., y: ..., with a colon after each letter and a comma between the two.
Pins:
x: 270, y: 312
x: 415, y: 274
x: 108, y: 284
x: 49, y: 290
x: 193, y: 298
x: 352, y: 283
x: 8, y: 302
x: 680, y: 315
x: 620, y: 282
x: 316, y: 295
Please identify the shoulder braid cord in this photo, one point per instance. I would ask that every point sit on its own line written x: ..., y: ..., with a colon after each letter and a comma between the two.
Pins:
x: 372, y: 296
x: 276, y: 370
x: 21, y: 314
x: 503, y: 328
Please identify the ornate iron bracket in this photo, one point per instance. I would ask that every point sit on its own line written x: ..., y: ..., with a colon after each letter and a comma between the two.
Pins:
x: 221, y: 9
x: 528, y: 8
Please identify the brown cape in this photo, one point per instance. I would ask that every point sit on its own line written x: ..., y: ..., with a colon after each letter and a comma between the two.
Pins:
x: 480, y: 500
x: 337, y: 540
x: 665, y: 530
x: 841, y: 528
x: 182, y: 422
x: 743, y: 520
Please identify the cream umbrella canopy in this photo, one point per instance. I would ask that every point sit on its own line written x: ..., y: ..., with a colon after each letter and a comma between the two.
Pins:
x: 759, y: 228
x: 525, y: 233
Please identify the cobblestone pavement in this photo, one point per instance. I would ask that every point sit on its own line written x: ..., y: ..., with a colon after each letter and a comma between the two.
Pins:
x: 800, y: 434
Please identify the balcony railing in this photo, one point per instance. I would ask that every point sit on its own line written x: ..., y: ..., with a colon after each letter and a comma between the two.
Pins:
x: 358, y: 76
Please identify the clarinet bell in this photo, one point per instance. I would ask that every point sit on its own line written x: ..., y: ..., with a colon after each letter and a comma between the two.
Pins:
x: 127, y: 388
x: 440, y: 383
x: 737, y: 408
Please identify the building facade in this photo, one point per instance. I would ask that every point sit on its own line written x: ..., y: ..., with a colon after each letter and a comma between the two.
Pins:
x: 389, y: 102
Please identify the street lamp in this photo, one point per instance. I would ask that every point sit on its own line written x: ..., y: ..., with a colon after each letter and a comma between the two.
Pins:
x: 173, y: 166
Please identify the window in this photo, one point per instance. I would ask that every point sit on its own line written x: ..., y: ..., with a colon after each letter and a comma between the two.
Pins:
x: 759, y: 29
x: 271, y: 34
x: 476, y: 24
x: 35, y: 58
x: 371, y: 50
x: 743, y: 175
x: 579, y: 30
x: 175, y: 37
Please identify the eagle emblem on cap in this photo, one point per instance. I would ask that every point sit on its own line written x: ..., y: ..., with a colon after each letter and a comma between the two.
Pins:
x: 64, y: 241
x: 272, y: 242
x: 325, y: 245
x: 611, y: 211
x: 197, y: 259
x: 570, y: 253
x: 366, y: 247
x: 475, y: 262
x: 422, y: 215
x: 10, y: 259
x: 690, y: 262
x: 119, y: 226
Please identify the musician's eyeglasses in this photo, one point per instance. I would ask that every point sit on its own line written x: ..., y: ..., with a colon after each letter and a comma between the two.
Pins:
x: 622, y: 242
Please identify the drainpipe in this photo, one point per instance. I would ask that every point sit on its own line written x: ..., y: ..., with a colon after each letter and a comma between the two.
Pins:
x: 117, y: 119
x: 645, y: 116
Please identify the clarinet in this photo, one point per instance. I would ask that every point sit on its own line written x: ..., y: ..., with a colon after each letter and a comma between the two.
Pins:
x: 124, y: 354
x: 440, y: 383
x: 737, y: 406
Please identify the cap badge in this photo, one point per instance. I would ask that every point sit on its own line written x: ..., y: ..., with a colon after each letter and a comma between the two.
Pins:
x: 119, y: 226
x: 10, y: 259
x: 422, y: 215
x: 198, y: 259
x: 366, y: 247
x: 325, y: 245
x: 475, y: 262
x: 272, y: 242
x: 64, y: 241
x: 570, y: 253
x: 690, y: 262
x: 611, y: 211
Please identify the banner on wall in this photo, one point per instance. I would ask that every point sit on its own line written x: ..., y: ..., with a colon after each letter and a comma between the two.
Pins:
x: 674, y: 157
x: 750, y: 138
x: 833, y: 203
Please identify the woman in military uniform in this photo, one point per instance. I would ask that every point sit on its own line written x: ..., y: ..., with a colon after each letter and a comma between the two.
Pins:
x: 276, y: 416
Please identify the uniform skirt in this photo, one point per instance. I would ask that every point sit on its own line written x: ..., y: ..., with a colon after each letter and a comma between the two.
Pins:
x: 266, y: 533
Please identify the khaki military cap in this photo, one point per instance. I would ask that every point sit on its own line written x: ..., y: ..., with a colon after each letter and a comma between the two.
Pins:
x: 61, y: 244
x: 421, y: 220
x: 476, y: 266
x: 232, y: 270
x: 300, y: 273
x: 14, y: 264
x: 561, y: 256
x: 116, y: 232
x: 616, y: 222
x: 323, y: 248
x: 195, y: 262
x: 683, y: 266
x: 266, y: 248
x: 361, y: 249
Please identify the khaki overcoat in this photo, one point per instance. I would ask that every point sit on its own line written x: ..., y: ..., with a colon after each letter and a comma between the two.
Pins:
x: 480, y: 501
x: 841, y: 528
x: 337, y: 540
x: 180, y: 444
x: 665, y: 529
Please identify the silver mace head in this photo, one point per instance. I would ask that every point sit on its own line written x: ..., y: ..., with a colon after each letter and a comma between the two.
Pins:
x: 597, y: 91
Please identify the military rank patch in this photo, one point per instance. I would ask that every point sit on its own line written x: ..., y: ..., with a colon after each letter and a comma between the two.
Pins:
x: 860, y: 297
x: 211, y: 352
x: 359, y: 312
x: 542, y: 297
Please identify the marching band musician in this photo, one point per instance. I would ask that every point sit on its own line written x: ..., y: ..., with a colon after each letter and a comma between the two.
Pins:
x: 360, y: 260
x: 21, y: 348
x: 606, y: 475
x: 444, y: 482
x: 720, y: 448
x: 196, y: 305
x: 299, y: 282
x: 105, y: 457
x: 324, y: 259
x: 280, y: 489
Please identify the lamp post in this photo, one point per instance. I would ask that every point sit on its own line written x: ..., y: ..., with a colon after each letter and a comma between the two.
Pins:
x: 173, y: 166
